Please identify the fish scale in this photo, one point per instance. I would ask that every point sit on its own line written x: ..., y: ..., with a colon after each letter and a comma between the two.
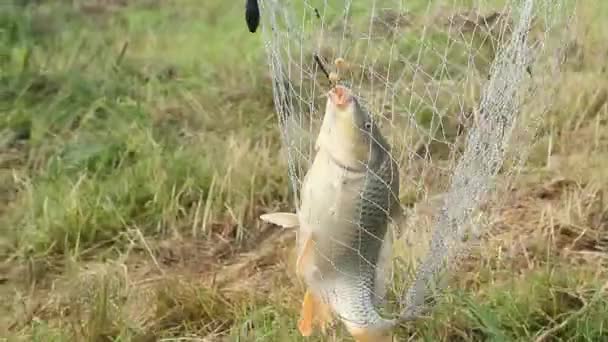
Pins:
x: 349, y: 255
x: 348, y: 195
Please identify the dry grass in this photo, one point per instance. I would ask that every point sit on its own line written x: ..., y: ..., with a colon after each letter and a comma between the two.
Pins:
x: 132, y: 176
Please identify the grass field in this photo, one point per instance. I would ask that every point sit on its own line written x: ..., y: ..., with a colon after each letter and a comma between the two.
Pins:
x: 139, y: 145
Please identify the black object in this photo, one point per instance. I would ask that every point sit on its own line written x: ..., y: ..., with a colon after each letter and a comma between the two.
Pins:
x: 317, y: 13
x: 252, y: 15
x: 318, y: 60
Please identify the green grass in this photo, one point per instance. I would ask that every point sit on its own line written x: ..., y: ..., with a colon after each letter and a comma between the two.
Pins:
x: 139, y: 145
x: 117, y: 146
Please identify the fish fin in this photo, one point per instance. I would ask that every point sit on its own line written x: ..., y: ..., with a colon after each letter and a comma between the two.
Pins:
x: 397, y: 219
x: 305, y: 255
x: 313, y: 310
x: 325, y: 317
x: 285, y: 220
x: 397, y: 214
x: 383, y: 268
x: 305, y: 325
x: 368, y: 335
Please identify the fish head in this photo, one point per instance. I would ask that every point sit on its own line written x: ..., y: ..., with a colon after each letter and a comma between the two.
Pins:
x: 349, y: 128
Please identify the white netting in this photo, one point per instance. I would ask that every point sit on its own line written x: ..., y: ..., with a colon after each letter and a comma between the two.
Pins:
x: 457, y: 88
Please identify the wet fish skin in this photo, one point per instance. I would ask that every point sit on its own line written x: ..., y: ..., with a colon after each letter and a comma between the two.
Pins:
x: 348, y: 197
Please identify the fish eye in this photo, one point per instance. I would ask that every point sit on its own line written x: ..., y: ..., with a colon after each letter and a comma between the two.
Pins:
x: 367, y: 125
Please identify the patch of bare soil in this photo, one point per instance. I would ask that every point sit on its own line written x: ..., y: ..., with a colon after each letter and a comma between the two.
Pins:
x: 556, y: 220
x: 559, y: 219
x: 573, y: 216
x: 220, y: 265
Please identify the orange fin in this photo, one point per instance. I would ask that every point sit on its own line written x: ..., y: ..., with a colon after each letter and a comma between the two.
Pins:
x: 367, y: 335
x: 314, y: 311
x: 307, y: 314
x: 305, y: 255
x: 324, y: 316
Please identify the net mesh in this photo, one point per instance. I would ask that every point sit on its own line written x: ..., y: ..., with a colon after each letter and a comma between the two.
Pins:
x: 457, y: 88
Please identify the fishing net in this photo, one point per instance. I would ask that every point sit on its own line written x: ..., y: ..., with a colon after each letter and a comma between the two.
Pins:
x: 458, y: 88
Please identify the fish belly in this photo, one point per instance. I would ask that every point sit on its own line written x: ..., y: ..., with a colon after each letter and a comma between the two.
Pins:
x: 347, y: 224
x: 347, y: 214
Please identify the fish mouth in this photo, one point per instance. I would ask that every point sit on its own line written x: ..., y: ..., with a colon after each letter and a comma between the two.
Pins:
x: 340, y: 96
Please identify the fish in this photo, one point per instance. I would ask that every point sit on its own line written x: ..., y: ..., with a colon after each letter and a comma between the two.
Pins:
x: 349, y: 195
x: 252, y: 15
